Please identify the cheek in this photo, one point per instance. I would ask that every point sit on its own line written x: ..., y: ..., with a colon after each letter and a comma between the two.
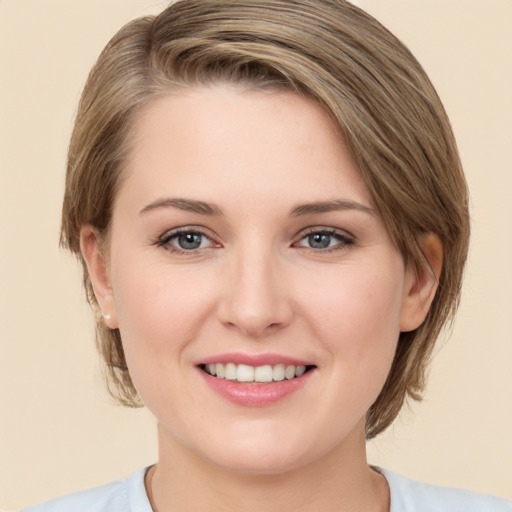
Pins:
x: 160, y: 315
x: 358, y: 327
x: 358, y: 318
x: 158, y: 311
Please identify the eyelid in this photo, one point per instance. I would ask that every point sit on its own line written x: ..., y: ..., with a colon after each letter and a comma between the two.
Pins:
x: 346, y: 238
x: 324, y: 229
x: 164, y: 239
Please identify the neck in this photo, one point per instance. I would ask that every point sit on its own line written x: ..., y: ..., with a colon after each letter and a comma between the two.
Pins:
x: 340, y: 481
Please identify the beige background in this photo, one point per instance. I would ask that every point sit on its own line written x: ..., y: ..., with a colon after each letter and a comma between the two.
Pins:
x: 58, y: 430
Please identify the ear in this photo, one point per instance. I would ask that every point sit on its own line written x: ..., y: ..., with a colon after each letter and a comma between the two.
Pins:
x: 96, y: 262
x: 421, y: 284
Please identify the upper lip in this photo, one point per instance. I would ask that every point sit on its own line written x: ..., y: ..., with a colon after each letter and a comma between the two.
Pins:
x: 254, y: 359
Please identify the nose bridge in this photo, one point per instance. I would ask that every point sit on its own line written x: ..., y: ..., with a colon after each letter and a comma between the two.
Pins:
x: 256, y: 302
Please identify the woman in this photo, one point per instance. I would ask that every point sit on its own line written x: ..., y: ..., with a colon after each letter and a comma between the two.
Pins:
x: 272, y: 217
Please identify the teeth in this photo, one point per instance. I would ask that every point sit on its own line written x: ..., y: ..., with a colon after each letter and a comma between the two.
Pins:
x: 300, y: 371
x: 246, y: 373
x: 220, y: 370
x: 263, y: 373
x: 278, y: 372
x: 230, y: 371
x: 289, y: 373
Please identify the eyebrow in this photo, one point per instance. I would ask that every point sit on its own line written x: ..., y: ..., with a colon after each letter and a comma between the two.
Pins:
x: 330, y: 206
x: 204, y: 208
x: 187, y: 205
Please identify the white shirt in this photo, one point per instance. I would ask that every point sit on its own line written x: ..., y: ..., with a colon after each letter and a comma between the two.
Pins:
x: 129, y: 495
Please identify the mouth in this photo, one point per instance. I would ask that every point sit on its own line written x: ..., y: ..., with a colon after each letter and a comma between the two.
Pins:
x: 255, y: 380
x: 264, y: 374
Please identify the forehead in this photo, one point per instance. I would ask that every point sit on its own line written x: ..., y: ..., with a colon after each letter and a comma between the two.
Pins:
x: 275, y: 144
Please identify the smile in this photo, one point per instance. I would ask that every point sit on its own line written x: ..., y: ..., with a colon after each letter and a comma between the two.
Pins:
x: 256, y: 374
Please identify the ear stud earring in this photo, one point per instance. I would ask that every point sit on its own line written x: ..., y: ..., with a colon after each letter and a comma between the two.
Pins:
x: 106, y: 317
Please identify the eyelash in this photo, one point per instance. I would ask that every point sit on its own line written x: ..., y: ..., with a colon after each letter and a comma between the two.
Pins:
x: 165, y: 240
x: 344, y: 240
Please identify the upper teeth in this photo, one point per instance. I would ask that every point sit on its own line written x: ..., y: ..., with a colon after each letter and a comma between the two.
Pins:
x: 246, y: 373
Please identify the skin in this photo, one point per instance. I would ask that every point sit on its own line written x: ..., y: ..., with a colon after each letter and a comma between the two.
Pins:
x: 255, y: 285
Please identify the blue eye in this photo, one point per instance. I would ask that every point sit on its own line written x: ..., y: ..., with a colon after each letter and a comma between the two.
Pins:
x: 319, y: 240
x: 325, y: 240
x: 188, y: 241
x: 184, y: 241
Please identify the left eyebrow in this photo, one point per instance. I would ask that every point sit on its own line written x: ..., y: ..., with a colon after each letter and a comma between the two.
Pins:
x: 330, y: 206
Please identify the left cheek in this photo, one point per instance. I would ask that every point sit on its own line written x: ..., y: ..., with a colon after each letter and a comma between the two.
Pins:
x: 360, y: 321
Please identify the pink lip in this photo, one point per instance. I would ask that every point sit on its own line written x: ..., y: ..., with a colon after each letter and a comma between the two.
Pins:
x: 255, y: 395
x: 254, y: 359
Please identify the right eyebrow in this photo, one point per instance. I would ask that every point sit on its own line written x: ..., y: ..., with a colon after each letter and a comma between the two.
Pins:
x: 188, y: 205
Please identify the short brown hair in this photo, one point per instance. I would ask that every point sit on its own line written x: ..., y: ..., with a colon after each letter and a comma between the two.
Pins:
x: 329, y: 51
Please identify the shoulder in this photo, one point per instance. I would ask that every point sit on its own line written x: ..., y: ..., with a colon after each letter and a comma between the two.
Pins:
x: 126, y: 495
x: 410, y: 496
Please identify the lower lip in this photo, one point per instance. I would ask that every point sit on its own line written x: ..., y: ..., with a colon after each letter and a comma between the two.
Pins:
x: 255, y: 395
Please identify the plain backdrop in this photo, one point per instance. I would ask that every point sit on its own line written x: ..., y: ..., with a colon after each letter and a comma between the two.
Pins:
x: 59, y: 431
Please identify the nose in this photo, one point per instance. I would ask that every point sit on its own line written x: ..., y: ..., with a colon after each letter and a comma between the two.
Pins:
x: 256, y: 301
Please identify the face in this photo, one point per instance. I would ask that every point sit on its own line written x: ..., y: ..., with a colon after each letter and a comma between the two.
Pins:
x: 257, y: 292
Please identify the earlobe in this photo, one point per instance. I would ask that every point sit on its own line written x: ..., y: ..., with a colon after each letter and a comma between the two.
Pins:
x: 421, y: 284
x: 95, y: 260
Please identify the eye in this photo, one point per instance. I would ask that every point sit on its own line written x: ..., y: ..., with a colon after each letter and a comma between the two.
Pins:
x: 189, y: 241
x: 185, y: 241
x: 325, y: 239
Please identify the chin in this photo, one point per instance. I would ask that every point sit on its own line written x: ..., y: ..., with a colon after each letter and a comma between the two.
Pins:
x: 260, y: 455
x: 258, y: 464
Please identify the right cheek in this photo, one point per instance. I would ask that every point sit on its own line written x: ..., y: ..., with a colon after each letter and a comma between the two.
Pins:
x: 154, y: 315
x: 158, y: 303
